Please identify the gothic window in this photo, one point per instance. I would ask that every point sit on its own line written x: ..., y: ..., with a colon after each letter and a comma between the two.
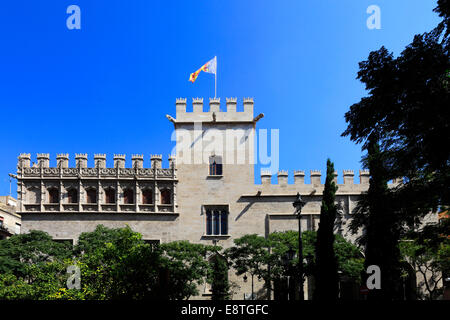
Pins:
x: 166, y: 196
x: 110, y: 195
x: 128, y: 196
x: 72, y: 195
x: 216, y: 221
x: 215, y: 166
x: 91, y: 195
x: 147, y: 196
x: 53, y: 195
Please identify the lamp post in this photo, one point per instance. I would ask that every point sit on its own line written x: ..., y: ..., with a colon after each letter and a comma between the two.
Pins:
x: 245, y: 280
x: 298, y: 205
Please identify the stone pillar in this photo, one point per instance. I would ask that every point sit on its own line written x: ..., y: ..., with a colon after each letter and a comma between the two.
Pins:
x: 348, y: 176
x: 231, y: 105
x: 62, y: 160
x: 214, y: 105
x: 266, y: 177
x: 364, y: 176
x: 81, y: 160
x: 100, y: 160
x: 119, y: 161
x: 282, y: 177
x: 315, y: 177
x: 299, y: 177
x: 138, y: 161
x: 172, y: 162
x: 24, y: 160
x: 43, y: 160
x: 248, y: 106
x: 156, y: 161
x: 180, y: 106
x: 197, y: 105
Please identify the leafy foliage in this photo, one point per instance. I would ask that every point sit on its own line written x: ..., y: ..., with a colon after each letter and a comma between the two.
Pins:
x: 263, y: 258
x: 117, y: 264
x: 114, y: 264
x: 404, y: 126
x: 34, y: 248
x: 428, y: 251
x: 186, y: 267
x: 218, y: 278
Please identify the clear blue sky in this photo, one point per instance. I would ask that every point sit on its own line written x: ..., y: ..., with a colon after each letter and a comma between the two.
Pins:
x: 107, y: 87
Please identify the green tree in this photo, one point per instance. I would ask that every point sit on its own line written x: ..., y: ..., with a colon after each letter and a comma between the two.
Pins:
x: 34, y: 248
x: 33, y: 266
x: 403, y: 125
x: 263, y: 258
x: 428, y: 252
x: 117, y: 264
x: 327, y: 286
x: 185, y: 267
x: 350, y: 261
x: 250, y: 255
x: 382, y: 225
x: 218, y: 278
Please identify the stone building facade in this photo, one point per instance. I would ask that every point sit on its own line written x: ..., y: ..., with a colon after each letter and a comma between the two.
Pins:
x: 207, y: 194
x: 10, y: 222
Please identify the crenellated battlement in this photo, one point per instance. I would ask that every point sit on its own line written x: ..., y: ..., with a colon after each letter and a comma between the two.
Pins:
x: 315, y: 177
x: 213, y: 114
x: 62, y: 160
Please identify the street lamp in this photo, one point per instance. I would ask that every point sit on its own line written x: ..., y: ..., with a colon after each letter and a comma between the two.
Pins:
x: 298, y: 205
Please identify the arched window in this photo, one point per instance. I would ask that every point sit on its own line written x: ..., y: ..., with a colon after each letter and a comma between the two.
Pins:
x: 147, y: 196
x: 110, y: 195
x: 72, y: 195
x: 53, y: 195
x: 166, y: 196
x: 91, y: 195
x: 128, y: 196
x: 215, y: 166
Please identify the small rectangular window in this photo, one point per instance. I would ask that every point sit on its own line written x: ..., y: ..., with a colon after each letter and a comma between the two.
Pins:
x: 215, y: 166
x: 17, y: 230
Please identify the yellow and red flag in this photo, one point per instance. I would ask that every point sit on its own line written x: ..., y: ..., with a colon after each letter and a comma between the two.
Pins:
x: 209, y: 67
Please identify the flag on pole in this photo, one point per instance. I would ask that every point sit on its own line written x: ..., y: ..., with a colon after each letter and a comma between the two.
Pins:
x: 209, y: 67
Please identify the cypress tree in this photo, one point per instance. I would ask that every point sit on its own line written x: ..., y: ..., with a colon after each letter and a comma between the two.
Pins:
x: 326, y: 263
x: 382, y: 229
